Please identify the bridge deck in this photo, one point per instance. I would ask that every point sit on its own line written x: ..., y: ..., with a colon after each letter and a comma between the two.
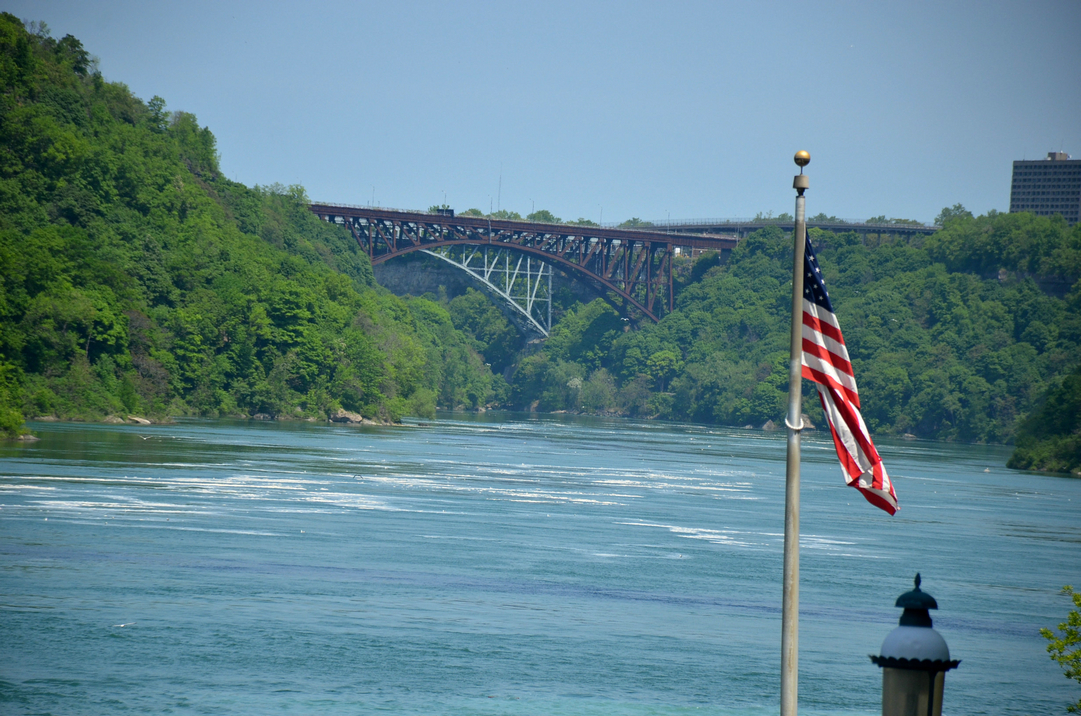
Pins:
x: 632, y: 268
x: 681, y: 237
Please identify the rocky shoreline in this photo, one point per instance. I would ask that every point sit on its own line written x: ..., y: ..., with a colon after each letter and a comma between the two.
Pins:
x: 340, y: 417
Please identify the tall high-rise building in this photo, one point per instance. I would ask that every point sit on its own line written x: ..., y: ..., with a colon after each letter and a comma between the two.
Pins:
x: 1048, y: 186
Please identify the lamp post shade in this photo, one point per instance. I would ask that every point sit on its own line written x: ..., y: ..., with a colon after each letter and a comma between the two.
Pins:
x: 914, y: 660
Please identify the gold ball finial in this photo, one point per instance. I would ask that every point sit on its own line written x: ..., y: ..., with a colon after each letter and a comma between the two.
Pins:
x: 802, y: 158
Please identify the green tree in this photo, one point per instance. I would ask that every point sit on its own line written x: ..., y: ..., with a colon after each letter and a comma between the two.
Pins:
x: 1065, y: 647
x: 663, y: 365
x: 1050, y: 439
x: 478, y: 317
x: 949, y: 213
x: 599, y: 392
x: 543, y: 216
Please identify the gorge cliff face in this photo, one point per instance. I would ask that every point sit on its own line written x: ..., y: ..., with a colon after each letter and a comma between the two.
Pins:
x: 417, y: 274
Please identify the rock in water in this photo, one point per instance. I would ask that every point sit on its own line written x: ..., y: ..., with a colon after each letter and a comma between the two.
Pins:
x: 345, y: 416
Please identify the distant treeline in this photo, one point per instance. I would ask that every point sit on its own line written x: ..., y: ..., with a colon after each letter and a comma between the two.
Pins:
x: 544, y: 216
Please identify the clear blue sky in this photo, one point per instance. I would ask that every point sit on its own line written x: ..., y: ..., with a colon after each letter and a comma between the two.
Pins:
x: 645, y: 109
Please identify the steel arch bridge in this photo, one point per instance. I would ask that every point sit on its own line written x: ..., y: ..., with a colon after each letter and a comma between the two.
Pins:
x: 632, y: 268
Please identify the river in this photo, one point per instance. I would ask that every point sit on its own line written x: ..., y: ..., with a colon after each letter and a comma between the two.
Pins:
x: 506, y: 564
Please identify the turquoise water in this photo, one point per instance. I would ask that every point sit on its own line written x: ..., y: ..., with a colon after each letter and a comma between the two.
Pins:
x: 505, y: 565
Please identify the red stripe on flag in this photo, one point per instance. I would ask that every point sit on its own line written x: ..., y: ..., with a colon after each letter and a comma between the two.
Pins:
x: 876, y: 476
x: 848, y: 463
x: 852, y: 420
x: 877, y: 500
x: 823, y: 327
x: 825, y: 354
x: 822, y: 379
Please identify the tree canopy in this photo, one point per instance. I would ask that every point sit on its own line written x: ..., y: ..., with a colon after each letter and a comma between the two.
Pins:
x: 135, y: 278
x: 1065, y: 646
x: 1050, y: 438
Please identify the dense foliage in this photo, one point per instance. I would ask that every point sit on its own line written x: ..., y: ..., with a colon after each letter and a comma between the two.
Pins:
x: 1065, y: 647
x: 952, y: 338
x: 1050, y: 439
x: 135, y: 278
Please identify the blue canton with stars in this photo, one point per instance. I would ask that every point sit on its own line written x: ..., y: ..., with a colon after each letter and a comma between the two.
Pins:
x: 814, y: 288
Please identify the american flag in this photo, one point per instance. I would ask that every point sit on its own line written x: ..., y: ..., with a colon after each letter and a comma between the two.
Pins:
x: 825, y: 361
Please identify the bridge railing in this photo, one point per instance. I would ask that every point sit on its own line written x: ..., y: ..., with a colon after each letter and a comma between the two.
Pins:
x: 662, y: 224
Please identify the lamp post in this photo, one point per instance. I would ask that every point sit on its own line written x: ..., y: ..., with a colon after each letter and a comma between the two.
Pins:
x: 914, y: 660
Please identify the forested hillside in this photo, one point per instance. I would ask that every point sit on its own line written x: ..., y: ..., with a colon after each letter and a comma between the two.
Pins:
x: 1050, y: 438
x: 956, y: 337
x: 136, y: 279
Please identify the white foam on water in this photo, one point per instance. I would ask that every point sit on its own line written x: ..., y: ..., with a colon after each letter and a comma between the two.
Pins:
x: 836, y: 547
x: 127, y: 506
x: 212, y: 530
x: 551, y: 499
x: 477, y: 485
x: 723, y: 537
x: 342, y: 499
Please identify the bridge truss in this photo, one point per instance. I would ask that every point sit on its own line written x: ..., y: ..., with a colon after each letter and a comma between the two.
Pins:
x: 631, y: 268
x: 523, y: 281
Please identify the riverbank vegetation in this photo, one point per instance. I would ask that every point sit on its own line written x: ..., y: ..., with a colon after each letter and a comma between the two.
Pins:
x: 1065, y: 644
x: 136, y: 279
x: 1050, y: 438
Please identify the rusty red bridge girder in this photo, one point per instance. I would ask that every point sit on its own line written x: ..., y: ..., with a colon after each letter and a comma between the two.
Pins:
x: 634, y: 267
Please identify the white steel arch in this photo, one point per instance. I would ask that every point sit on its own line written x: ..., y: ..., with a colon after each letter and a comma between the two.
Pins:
x: 526, y: 288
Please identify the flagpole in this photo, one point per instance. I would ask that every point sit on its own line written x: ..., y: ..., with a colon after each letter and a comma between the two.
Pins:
x: 794, y: 422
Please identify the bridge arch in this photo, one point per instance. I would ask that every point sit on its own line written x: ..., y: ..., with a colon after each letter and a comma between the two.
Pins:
x: 518, y: 287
